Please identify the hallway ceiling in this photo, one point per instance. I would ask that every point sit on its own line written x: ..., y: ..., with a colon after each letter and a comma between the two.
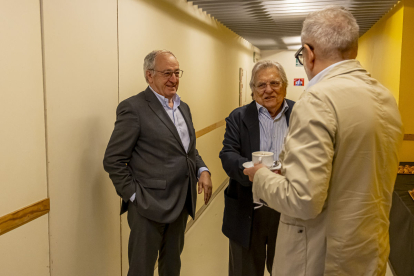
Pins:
x: 276, y: 24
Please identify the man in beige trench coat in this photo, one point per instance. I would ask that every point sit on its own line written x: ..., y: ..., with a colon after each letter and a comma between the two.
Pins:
x: 340, y: 160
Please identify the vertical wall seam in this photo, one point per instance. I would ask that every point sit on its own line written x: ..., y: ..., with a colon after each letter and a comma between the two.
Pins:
x: 117, y: 48
x: 45, y: 123
x: 117, y: 39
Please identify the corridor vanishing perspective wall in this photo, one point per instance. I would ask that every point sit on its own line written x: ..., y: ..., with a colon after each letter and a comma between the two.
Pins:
x: 385, y: 51
x: 65, y: 67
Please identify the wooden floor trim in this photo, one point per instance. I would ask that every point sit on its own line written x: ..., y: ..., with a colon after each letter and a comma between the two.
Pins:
x: 210, y: 128
x: 409, y: 137
x: 204, y: 207
x: 20, y: 217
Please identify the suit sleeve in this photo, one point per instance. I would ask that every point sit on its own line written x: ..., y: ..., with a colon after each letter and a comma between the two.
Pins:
x: 119, y: 150
x: 199, y: 162
x: 301, y: 190
x: 230, y: 155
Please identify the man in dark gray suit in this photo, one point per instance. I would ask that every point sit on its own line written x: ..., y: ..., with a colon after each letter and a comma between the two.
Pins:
x: 154, y: 165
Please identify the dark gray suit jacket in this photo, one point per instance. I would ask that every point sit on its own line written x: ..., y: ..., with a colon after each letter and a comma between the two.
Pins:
x: 145, y: 156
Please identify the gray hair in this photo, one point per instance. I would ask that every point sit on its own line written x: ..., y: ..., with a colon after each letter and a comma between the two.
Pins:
x: 149, y: 60
x: 333, y: 30
x: 263, y: 64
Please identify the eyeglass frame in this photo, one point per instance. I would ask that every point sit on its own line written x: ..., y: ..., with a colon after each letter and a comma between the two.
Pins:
x: 299, y: 52
x: 181, y: 73
x: 279, y: 84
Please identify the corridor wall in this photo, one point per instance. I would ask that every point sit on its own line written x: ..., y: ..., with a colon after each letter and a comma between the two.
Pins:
x: 380, y: 50
x: 385, y: 51
x: 81, y: 84
x: 406, y: 101
x: 23, y: 251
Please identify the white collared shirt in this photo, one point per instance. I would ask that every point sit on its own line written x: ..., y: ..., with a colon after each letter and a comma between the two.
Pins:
x: 321, y: 74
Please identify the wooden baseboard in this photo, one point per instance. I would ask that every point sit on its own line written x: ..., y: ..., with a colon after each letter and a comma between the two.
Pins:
x: 204, y: 207
x: 20, y: 217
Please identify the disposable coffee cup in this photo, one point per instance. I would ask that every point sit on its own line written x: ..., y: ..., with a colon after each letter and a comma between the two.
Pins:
x: 263, y: 157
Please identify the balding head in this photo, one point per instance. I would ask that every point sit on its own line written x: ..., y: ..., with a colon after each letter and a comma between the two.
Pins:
x: 333, y: 32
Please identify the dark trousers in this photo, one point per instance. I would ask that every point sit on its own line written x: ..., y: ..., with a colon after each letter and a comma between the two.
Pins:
x: 149, y: 238
x: 251, y: 262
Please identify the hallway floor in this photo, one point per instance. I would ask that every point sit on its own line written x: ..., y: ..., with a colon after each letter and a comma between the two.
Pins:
x: 206, y: 249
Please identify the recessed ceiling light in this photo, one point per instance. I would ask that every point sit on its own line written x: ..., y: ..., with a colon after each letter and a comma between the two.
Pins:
x: 291, y: 39
x: 262, y: 41
x: 294, y: 47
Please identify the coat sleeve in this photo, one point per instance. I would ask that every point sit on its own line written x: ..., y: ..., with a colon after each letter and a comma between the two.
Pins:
x: 119, y: 150
x: 301, y: 190
x: 230, y: 155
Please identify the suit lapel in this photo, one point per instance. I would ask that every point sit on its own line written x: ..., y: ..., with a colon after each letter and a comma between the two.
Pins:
x: 289, y: 111
x: 251, y: 120
x: 159, y: 110
x: 187, y: 119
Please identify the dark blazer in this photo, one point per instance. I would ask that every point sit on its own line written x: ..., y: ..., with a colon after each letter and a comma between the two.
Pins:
x: 242, y: 137
x: 145, y: 156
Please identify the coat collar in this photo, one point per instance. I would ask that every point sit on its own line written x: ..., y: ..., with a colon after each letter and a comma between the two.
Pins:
x: 251, y: 120
x: 345, y: 67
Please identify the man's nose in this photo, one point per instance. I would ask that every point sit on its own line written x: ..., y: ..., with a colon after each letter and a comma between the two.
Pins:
x: 268, y: 89
x: 173, y: 78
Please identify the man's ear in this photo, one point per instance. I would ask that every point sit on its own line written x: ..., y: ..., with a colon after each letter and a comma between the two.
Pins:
x: 148, y: 76
x: 309, y: 57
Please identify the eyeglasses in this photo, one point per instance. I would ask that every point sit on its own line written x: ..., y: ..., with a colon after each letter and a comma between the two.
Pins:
x: 299, y: 54
x: 168, y: 73
x: 261, y: 86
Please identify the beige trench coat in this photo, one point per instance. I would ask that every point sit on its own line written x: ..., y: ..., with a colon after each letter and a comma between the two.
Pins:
x: 339, y: 167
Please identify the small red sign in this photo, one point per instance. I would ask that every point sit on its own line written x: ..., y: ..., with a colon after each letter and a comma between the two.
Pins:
x: 298, y: 82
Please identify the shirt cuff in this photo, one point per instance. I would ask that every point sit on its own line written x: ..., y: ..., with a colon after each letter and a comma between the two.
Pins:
x: 132, y: 198
x: 202, y: 169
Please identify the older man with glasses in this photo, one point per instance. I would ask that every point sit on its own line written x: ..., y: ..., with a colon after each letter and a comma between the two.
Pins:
x: 340, y: 160
x: 154, y: 165
x: 260, y: 126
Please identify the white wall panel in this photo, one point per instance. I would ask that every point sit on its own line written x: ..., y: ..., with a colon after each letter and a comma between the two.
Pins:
x: 82, y: 95
x: 24, y: 251
x: 22, y: 140
x: 22, y: 147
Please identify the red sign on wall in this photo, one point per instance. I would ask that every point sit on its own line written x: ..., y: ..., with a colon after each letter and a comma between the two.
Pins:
x: 298, y: 82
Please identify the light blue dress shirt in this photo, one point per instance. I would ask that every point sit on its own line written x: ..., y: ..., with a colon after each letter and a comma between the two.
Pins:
x: 177, y: 118
x: 272, y: 133
x: 272, y: 130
